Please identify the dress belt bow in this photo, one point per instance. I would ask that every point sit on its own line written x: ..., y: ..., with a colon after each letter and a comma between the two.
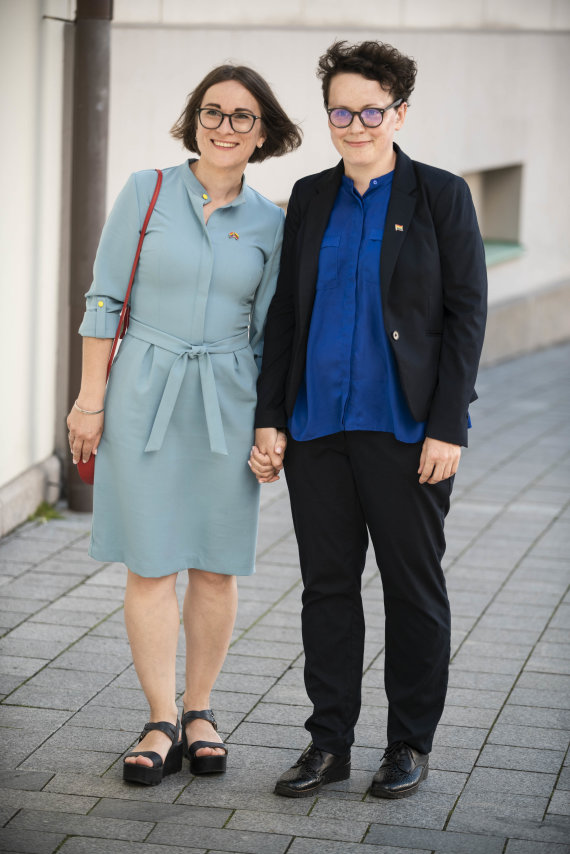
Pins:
x: 185, y: 351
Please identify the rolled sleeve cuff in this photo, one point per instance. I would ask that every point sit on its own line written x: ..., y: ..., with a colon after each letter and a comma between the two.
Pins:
x: 101, y: 317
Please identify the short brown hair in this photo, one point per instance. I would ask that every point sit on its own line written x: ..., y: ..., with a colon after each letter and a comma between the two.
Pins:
x: 394, y: 72
x: 282, y: 135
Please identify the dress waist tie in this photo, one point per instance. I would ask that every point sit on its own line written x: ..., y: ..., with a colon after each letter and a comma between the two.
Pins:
x: 185, y: 351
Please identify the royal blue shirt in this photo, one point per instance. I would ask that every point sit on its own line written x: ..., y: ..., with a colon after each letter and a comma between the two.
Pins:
x: 351, y: 380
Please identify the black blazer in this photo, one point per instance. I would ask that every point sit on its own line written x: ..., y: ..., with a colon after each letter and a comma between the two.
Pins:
x: 434, y: 295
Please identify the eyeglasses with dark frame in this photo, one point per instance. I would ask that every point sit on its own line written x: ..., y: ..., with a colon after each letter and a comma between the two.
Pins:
x: 371, y: 117
x: 240, y: 122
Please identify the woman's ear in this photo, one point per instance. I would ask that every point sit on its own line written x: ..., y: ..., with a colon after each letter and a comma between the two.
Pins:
x: 401, y: 115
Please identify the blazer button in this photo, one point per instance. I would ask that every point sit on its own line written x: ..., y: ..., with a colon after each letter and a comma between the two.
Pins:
x: 395, y: 334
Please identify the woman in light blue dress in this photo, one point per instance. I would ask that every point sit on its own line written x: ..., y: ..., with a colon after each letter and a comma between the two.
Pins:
x: 173, y: 430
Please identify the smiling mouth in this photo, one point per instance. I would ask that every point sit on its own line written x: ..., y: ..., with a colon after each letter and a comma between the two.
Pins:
x: 220, y: 144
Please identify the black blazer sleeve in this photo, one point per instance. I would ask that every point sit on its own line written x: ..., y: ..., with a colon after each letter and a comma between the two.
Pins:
x: 280, y: 328
x: 464, y: 310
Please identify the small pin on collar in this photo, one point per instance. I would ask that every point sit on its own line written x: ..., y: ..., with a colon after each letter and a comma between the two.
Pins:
x: 234, y: 234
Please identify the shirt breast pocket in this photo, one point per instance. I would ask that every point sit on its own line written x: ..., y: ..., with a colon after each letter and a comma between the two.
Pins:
x: 328, y: 276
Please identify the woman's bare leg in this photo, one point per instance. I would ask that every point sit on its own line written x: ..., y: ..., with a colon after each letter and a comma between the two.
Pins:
x: 209, y: 613
x: 152, y: 619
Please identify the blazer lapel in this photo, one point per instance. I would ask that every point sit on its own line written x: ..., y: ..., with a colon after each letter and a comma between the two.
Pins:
x: 398, y: 216
x: 316, y: 218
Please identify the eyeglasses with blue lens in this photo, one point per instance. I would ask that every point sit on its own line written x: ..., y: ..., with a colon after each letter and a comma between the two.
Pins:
x: 371, y: 117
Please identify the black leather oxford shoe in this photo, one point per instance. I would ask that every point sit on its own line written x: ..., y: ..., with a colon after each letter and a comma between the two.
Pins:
x: 313, y: 769
x: 401, y: 772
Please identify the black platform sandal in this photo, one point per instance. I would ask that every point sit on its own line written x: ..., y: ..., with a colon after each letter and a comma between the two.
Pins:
x: 203, y: 764
x: 152, y: 775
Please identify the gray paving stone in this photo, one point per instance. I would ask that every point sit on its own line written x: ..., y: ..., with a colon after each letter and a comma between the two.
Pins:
x: 105, y: 740
x: 563, y: 782
x: 508, y: 781
x: 468, y: 660
x: 476, y: 698
x: 425, y: 809
x: 6, y: 813
x: 245, y: 684
x: 50, y: 698
x: 526, y: 736
x: 173, y: 813
x: 310, y: 826
x: 41, y: 586
x: 271, y: 735
x: 521, y: 758
x: 82, y: 845
x: 13, y: 665
x: 542, y: 717
x: 257, y: 666
x: 234, y: 799
x: 551, y: 682
x: 111, y: 785
x: 560, y: 803
x: 233, y: 702
x: 224, y: 839
x: 520, y: 846
x: 19, y: 608
x: 476, y: 679
x: 552, y: 650
x: 13, y: 568
x: 39, y: 631
x: 81, y: 619
x: 24, y: 549
x: 541, y: 664
x: 95, y: 662
x: 267, y: 649
x: 552, y: 829
x: 444, y: 841
x: 62, y: 758
x: 315, y: 846
x: 29, y: 841
x: 540, y: 697
x: 26, y: 647
x: 84, y: 825
x: 29, y: 781
x: 48, y: 801
x: 464, y: 716
x: 509, y: 805
x: 8, y: 684
x: 120, y: 698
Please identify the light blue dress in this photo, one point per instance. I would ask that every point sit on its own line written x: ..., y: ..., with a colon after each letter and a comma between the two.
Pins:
x: 172, y: 486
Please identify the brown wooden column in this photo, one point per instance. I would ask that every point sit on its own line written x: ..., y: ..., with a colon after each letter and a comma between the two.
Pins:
x: 89, y: 176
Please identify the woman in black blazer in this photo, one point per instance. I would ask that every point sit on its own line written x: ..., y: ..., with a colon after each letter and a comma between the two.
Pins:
x: 371, y: 352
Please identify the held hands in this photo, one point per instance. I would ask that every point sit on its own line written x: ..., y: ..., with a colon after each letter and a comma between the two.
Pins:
x: 266, y: 458
x: 438, y: 461
x: 85, y: 433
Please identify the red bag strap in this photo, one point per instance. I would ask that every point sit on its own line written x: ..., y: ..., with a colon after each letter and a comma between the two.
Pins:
x: 125, y: 311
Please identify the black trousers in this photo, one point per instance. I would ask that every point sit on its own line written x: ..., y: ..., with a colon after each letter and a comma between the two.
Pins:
x: 342, y: 487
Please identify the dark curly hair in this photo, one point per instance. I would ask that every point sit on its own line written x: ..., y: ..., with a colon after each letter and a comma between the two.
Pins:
x: 282, y: 135
x: 394, y: 72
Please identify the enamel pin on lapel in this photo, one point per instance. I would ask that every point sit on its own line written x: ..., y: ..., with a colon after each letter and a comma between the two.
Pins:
x: 399, y: 227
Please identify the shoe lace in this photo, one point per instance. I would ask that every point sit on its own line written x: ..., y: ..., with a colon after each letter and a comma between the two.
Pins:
x: 393, y: 752
x: 310, y: 754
